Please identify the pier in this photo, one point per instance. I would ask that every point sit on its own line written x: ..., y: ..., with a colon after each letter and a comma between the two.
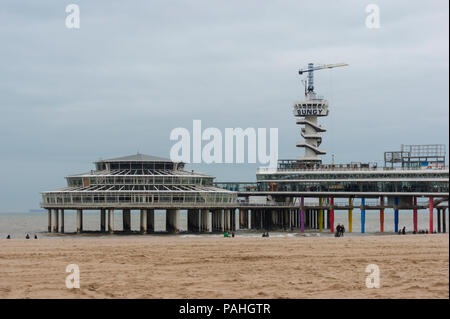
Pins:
x: 300, y: 195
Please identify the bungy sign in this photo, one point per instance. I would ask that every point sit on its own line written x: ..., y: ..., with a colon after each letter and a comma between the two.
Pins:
x: 316, y: 109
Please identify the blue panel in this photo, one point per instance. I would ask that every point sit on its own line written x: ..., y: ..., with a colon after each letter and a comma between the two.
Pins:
x: 396, y: 214
x: 363, y: 215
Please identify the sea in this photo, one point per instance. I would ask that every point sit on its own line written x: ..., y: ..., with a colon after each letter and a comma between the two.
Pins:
x: 18, y: 224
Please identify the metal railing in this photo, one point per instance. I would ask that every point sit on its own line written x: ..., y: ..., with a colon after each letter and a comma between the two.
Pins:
x: 352, y: 169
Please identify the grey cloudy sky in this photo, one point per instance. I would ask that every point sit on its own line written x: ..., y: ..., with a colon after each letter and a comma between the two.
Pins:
x: 137, y: 69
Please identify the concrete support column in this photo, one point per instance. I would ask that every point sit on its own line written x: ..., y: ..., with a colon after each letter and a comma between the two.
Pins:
x: 220, y: 220
x: 225, y: 220
x: 111, y: 221
x: 315, y: 219
x: 444, y: 221
x: 233, y: 219
x: 172, y: 220
x: 291, y: 218
x: 294, y: 219
x: 243, y: 218
x: 150, y: 220
x: 287, y: 222
x: 62, y: 221
x: 102, y: 220
x: 197, y: 221
x: 265, y: 219
x: 431, y: 207
x: 310, y: 219
x: 302, y: 215
x: 273, y: 220
x: 307, y: 218
x: 255, y: 219
x: 246, y: 219
x: 213, y: 221
x: 382, y: 214
x: 190, y: 220
x: 438, y: 220
x: 49, y: 220
x: 79, y: 221
x: 350, y: 215
x: 126, y: 219
x: 143, y: 219
x: 56, y: 224
x: 204, y: 220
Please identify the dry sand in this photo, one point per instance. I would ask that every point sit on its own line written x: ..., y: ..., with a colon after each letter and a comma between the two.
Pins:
x: 411, y: 266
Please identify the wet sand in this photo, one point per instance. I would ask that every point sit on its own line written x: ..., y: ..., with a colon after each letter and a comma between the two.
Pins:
x: 162, y: 266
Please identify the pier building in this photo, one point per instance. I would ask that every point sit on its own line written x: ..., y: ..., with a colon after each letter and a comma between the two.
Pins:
x: 140, y: 182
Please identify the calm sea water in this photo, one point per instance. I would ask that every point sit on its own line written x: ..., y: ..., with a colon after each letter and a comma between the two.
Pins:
x: 18, y: 224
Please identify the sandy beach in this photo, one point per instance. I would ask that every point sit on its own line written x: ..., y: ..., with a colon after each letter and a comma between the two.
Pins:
x: 163, y: 266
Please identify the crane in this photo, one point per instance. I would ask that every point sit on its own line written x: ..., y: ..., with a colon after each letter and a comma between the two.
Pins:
x: 311, y: 68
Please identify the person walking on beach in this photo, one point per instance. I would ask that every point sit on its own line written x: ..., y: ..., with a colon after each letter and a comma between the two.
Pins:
x: 343, y: 230
x: 35, y: 236
x: 232, y: 234
x: 226, y: 234
x: 27, y: 236
x: 404, y: 230
x: 338, y: 231
x: 8, y: 237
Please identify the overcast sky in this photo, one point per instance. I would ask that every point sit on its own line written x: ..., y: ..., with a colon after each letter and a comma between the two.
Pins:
x: 137, y: 69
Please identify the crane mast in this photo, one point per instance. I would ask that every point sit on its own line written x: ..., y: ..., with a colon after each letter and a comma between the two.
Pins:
x: 311, y: 68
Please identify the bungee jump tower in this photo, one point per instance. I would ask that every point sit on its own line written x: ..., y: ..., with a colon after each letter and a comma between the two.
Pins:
x: 313, y: 107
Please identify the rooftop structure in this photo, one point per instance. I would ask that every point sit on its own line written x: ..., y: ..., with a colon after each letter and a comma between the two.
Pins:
x: 417, y: 156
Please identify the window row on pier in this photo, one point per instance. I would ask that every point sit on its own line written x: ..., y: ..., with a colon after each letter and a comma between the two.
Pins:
x: 355, y: 186
x: 138, y: 180
x: 359, y: 175
x: 137, y: 198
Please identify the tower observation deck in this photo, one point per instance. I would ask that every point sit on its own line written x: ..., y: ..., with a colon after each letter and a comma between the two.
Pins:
x: 308, y: 111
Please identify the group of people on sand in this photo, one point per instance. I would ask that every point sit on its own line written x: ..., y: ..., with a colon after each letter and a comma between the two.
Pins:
x: 26, y: 237
x: 265, y: 234
x: 226, y: 234
x: 340, y: 230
